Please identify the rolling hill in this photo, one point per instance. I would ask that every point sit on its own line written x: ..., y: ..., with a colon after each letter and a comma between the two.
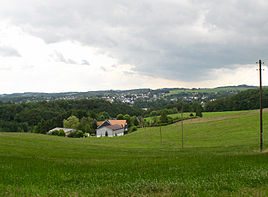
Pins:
x: 220, y: 158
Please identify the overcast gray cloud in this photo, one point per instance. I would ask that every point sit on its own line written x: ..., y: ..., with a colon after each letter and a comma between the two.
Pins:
x: 173, y: 39
x: 57, y: 56
x: 85, y: 62
x: 8, y: 52
x: 60, y: 58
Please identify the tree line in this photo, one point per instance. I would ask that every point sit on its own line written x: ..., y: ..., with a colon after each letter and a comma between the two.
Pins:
x: 246, y: 100
x: 42, y: 116
x: 174, y: 108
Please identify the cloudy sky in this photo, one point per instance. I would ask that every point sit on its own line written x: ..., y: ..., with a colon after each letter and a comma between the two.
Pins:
x: 83, y: 45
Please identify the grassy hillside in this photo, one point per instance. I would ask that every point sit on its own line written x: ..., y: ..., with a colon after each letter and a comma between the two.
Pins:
x: 212, y: 90
x: 220, y: 158
x: 205, y: 114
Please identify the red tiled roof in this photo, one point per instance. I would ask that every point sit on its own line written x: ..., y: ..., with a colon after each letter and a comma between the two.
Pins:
x: 100, y: 123
x: 120, y: 122
x: 114, y: 122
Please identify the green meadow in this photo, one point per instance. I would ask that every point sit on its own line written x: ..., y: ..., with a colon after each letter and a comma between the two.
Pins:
x: 205, y: 114
x: 208, y: 90
x: 220, y: 158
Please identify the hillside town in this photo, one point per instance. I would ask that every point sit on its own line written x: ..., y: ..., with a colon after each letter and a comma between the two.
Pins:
x: 142, y: 98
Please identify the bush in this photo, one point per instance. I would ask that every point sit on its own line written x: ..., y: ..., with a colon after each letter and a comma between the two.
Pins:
x: 72, y: 134
x: 132, y: 129
x: 76, y: 134
x: 86, y: 134
x: 61, y: 133
x: 55, y: 132
x: 58, y: 133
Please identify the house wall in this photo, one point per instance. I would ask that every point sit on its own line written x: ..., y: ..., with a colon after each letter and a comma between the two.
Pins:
x: 102, y: 131
x: 118, y: 132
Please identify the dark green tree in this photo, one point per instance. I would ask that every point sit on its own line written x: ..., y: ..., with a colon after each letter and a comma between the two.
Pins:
x: 71, y: 122
x: 163, y: 117
x: 120, y: 117
x: 198, y: 112
x: 85, y: 125
x: 128, y: 119
x: 134, y: 121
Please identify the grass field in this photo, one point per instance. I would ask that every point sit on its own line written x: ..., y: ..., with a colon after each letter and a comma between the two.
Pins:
x: 208, y: 90
x: 220, y: 158
x: 205, y: 114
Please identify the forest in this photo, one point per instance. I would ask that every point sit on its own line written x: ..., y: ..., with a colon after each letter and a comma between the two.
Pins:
x: 42, y: 116
x: 246, y: 100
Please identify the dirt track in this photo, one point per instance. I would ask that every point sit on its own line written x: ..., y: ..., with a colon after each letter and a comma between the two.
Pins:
x: 209, y: 119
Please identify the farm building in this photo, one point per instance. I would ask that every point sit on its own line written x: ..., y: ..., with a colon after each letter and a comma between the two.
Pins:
x: 111, y: 128
x: 67, y: 131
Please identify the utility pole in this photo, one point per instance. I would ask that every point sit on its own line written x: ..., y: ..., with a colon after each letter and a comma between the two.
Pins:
x: 261, y: 131
x: 182, y: 125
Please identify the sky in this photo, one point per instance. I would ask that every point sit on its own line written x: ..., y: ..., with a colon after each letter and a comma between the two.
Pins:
x: 85, y: 45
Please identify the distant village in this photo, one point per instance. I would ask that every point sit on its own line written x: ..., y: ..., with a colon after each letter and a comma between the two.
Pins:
x: 151, y: 97
x: 131, y: 98
x: 141, y: 98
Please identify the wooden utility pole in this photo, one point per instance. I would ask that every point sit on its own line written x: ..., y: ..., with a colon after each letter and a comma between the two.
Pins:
x: 261, y: 131
x: 181, y: 125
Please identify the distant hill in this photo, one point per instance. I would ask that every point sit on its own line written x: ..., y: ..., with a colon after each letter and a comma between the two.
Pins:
x: 243, y: 86
x: 246, y: 100
x: 39, y: 96
x: 143, y: 98
x: 238, y: 88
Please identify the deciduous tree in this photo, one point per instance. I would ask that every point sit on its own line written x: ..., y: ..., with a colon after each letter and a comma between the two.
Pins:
x: 71, y: 122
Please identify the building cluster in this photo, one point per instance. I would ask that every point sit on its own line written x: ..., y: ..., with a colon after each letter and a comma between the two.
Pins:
x: 130, y: 98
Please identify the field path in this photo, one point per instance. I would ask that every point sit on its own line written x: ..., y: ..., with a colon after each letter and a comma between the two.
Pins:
x: 210, y: 119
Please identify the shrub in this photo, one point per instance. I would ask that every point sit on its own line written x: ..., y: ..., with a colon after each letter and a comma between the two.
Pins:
x: 58, y: 133
x: 72, y: 134
x: 79, y: 134
x: 55, y: 132
x: 61, y: 133
x: 86, y: 134
x: 132, y: 129
x: 76, y: 134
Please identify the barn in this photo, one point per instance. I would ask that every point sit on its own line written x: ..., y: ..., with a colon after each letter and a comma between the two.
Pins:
x: 111, y: 128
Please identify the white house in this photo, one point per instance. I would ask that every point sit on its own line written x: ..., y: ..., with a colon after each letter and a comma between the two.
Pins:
x: 67, y: 131
x: 111, y: 128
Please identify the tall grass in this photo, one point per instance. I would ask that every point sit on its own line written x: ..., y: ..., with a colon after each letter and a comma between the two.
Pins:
x: 220, y: 158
